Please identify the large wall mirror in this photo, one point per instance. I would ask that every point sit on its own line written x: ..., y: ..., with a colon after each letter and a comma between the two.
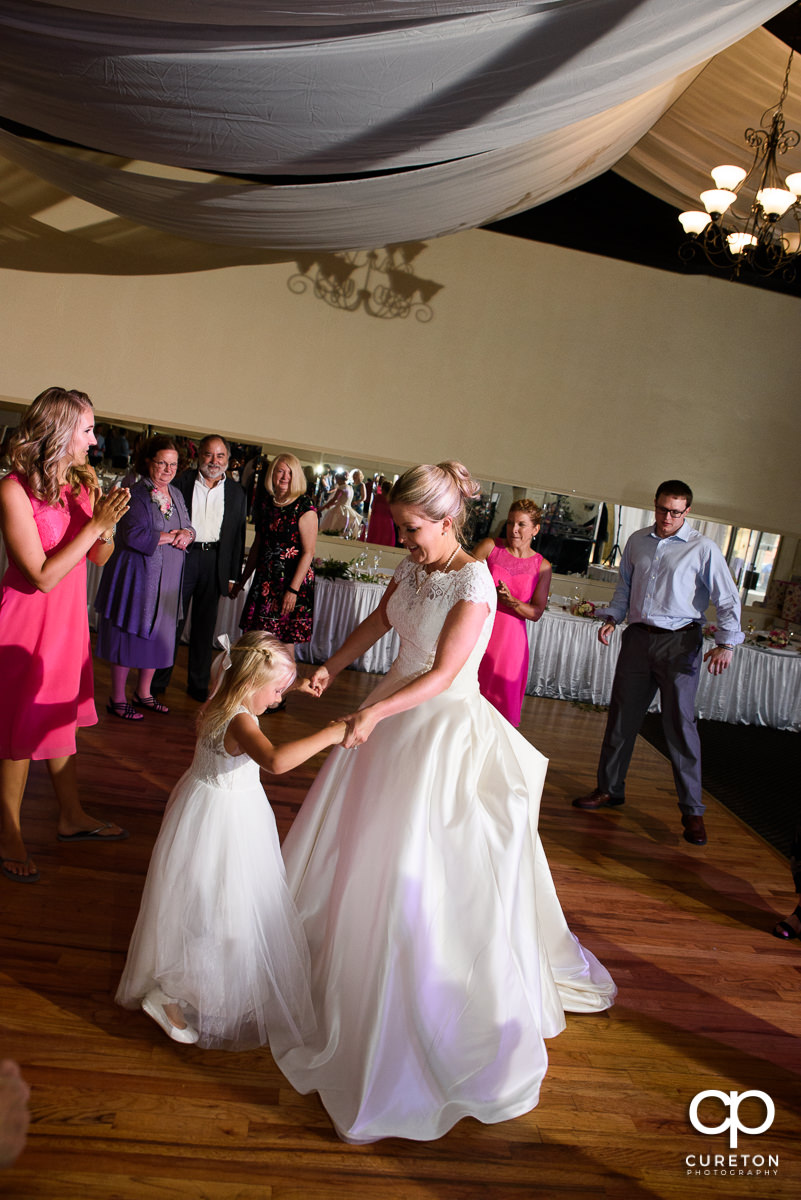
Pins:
x: 579, y: 536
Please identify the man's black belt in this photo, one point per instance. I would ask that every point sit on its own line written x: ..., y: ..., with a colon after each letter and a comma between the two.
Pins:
x: 204, y: 545
x: 658, y: 629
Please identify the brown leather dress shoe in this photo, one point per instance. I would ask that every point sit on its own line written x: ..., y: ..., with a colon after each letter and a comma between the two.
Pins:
x: 597, y: 799
x: 694, y: 829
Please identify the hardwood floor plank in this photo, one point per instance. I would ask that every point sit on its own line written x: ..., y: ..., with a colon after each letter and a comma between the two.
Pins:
x: 707, y: 1000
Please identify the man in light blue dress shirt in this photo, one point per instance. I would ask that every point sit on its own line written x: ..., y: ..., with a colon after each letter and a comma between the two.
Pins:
x: 669, y: 575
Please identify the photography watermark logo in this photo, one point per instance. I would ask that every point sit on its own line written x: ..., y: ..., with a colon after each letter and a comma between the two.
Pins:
x: 741, y: 1163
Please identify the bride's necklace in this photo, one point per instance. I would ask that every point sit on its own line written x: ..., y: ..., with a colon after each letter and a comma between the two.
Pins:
x: 422, y: 575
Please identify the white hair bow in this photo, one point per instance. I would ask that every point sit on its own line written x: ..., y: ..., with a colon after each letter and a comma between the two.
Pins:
x: 222, y: 662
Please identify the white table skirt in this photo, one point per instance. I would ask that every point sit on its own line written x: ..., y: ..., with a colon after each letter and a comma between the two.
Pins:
x: 761, y: 687
x: 339, y: 606
x: 567, y: 662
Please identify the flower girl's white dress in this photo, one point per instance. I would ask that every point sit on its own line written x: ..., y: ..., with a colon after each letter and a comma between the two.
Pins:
x: 217, y: 928
x: 441, y: 958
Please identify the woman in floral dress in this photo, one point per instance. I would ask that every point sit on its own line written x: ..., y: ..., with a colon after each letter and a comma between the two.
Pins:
x: 281, y: 598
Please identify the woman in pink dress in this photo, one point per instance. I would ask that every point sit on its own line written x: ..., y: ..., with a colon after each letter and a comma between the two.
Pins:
x: 52, y: 516
x: 522, y: 581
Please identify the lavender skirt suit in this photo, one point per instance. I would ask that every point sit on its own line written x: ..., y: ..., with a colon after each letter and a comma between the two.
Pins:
x: 139, y: 599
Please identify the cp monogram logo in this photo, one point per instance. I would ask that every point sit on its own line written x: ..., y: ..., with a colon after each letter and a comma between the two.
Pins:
x: 732, y: 1101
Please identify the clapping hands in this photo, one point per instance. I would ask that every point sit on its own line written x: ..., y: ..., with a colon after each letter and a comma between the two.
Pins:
x: 111, y: 508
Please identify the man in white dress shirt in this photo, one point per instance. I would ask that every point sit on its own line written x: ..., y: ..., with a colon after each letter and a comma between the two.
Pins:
x: 669, y: 575
x: 213, y: 561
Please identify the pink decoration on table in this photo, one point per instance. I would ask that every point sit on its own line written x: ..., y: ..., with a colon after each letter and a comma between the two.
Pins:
x: 583, y: 608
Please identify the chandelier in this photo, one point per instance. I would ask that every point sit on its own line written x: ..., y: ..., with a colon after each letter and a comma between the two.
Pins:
x: 761, y: 239
x: 381, y: 282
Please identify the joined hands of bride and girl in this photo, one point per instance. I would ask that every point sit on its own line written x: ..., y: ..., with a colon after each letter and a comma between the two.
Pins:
x: 359, y: 724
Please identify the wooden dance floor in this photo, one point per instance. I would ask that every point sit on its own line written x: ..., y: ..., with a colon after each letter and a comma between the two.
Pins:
x: 707, y: 1000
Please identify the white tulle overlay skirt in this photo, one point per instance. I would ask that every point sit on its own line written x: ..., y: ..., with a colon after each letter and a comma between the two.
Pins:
x: 217, y: 928
x: 440, y: 955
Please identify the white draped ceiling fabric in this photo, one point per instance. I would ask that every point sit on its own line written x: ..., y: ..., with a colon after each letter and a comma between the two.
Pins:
x: 706, y: 125
x: 441, y: 115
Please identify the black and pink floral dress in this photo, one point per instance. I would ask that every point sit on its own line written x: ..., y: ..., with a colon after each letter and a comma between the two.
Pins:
x: 278, y: 529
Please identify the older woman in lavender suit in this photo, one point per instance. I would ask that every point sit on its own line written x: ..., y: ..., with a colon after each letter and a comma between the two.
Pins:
x: 139, y: 598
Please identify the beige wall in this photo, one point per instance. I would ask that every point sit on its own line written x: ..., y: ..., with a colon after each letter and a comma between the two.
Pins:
x: 542, y: 366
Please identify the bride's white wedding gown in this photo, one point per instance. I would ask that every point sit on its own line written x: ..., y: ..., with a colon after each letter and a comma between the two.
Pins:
x: 440, y: 955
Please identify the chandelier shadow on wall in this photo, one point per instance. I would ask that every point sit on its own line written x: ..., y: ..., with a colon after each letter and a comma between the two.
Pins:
x: 382, y: 283
x: 768, y: 239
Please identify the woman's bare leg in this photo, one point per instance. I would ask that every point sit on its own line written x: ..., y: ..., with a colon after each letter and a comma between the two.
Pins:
x: 72, y: 818
x: 119, y: 677
x: 145, y: 683
x: 13, y: 777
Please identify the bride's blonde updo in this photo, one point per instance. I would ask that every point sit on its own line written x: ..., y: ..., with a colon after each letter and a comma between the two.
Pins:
x: 437, y: 491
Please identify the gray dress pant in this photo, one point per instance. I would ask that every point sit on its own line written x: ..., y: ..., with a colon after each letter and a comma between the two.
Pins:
x: 670, y: 662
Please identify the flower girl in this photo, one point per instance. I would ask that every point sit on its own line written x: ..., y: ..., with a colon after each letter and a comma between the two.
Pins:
x: 218, y: 955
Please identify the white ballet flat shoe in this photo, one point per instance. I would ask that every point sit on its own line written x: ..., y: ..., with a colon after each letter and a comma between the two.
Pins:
x: 153, y: 1004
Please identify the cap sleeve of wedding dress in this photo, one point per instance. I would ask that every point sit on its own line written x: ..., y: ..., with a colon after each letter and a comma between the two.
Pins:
x: 441, y: 959
x: 474, y: 584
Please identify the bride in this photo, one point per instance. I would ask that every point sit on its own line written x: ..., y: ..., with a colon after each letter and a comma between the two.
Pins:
x: 440, y: 955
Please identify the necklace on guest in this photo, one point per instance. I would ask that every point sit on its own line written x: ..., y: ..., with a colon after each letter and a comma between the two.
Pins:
x: 440, y: 570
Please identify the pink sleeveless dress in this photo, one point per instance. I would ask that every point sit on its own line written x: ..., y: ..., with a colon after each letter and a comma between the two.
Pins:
x: 45, y: 656
x: 503, y: 671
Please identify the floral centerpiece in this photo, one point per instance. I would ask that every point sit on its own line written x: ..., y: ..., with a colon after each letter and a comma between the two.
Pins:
x: 330, y: 568
x: 779, y: 638
x: 583, y: 608
x: 336, y: 568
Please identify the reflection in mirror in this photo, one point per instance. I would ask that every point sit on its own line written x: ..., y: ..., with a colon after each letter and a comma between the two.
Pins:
x: 579, y: 536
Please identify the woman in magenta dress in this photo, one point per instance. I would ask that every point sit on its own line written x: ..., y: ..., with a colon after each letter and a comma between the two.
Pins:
x: 522, y: 581
x: 381, y: 527
x: 52, y: 516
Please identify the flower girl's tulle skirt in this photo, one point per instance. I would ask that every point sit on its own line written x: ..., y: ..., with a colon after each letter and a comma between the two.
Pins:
x: 217, y: 928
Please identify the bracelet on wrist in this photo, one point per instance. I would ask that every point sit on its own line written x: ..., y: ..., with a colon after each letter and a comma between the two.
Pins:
x: 107, y: 540
x: 725, y: 646
x: 294, y: 591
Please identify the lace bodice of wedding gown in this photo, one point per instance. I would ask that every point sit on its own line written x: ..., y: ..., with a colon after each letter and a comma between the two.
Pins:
x: 214, y: 766
x: 418, y: 609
